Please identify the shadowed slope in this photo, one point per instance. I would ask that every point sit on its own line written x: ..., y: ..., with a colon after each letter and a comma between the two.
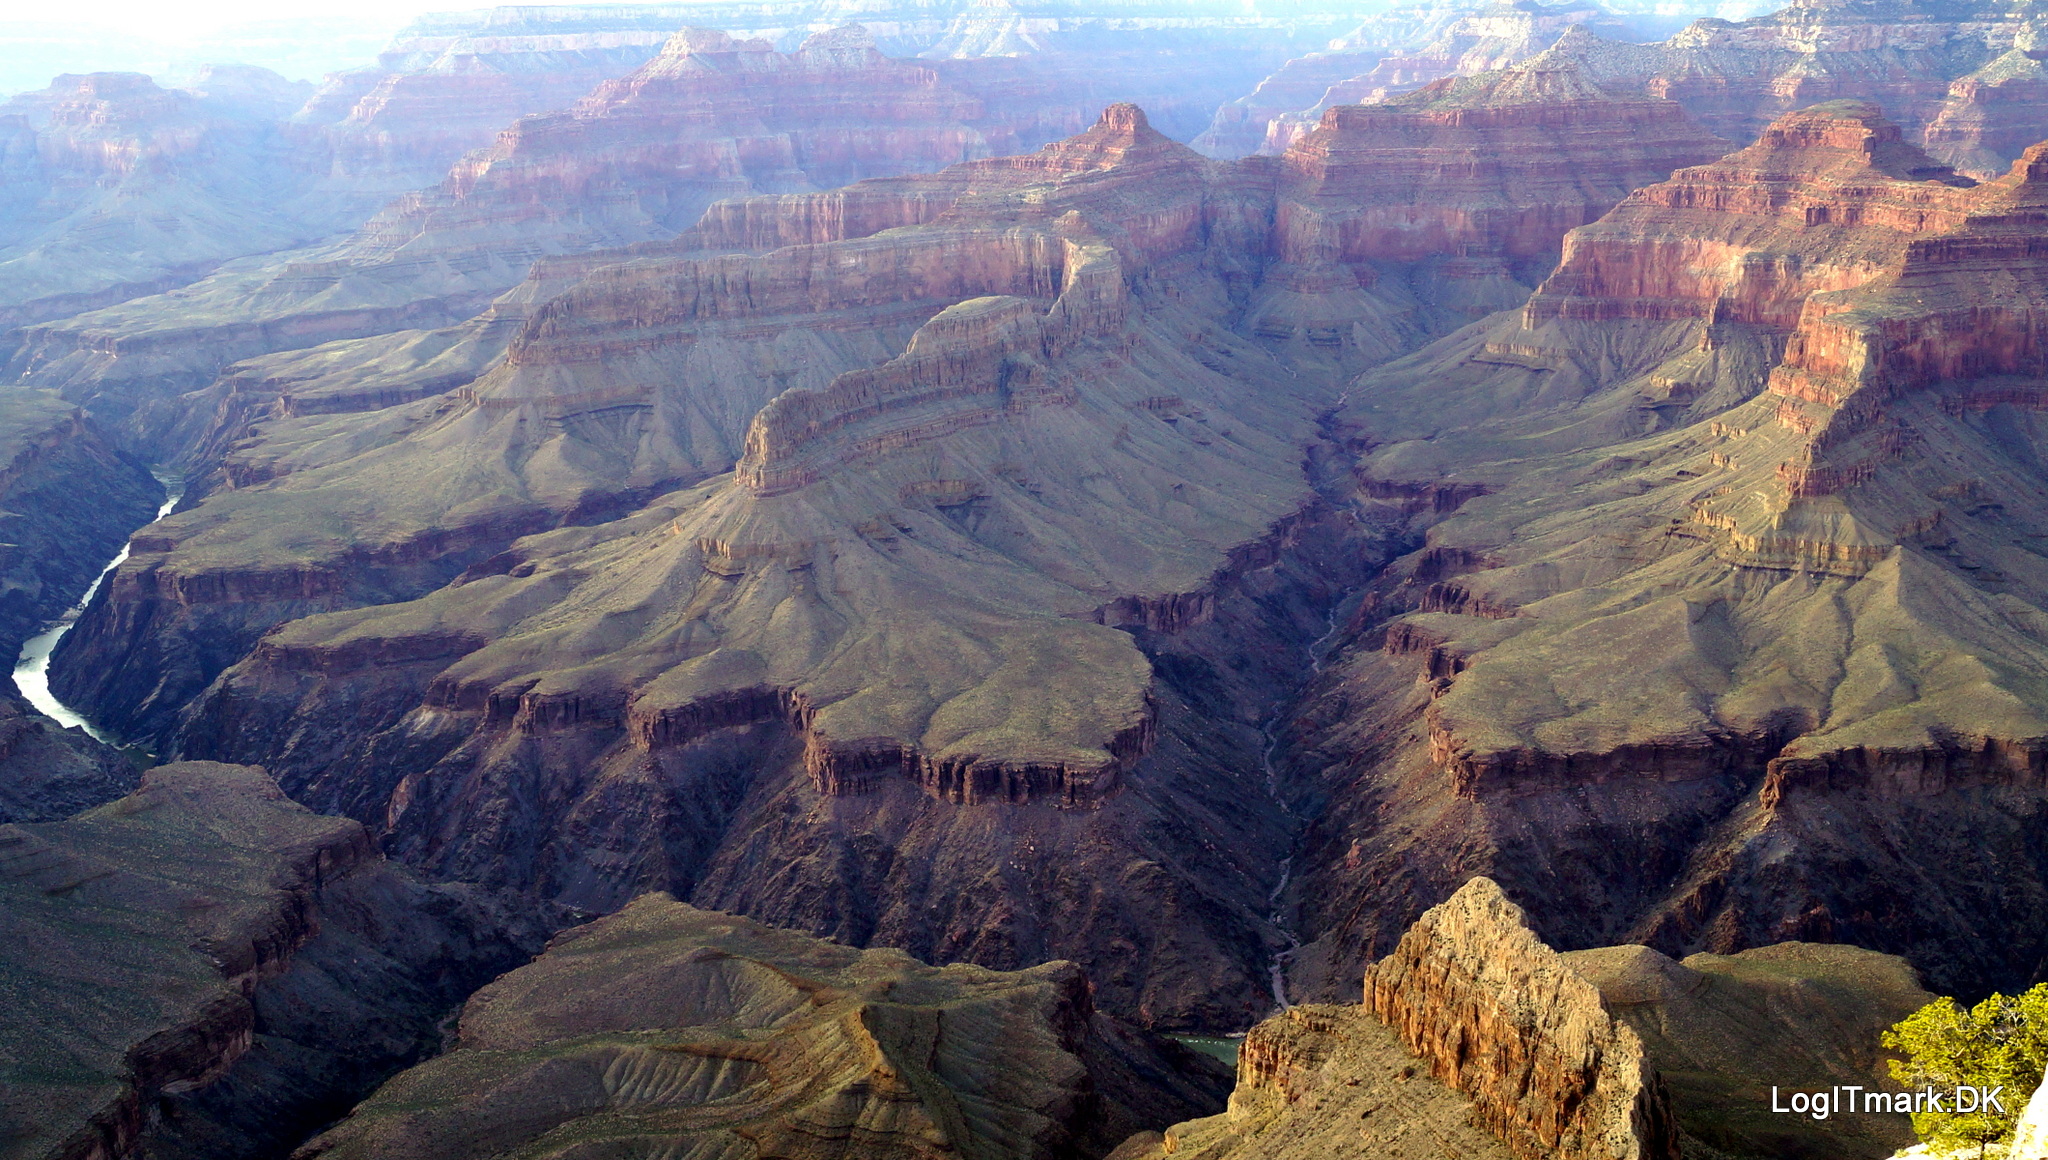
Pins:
x: 666, y: 1028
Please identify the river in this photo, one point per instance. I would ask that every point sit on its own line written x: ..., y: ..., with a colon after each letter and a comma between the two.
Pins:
x: 32, y: 667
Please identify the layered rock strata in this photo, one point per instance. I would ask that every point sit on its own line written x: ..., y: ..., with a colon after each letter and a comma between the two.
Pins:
x: 1959, y: 72
x: 1020, y: 408
x: 1498, y: 1015
x: 1477, y: 1039
x: 1391, y: 52
x: 740, y: 1036
x: 1740, y: 629
x: 172, y: 963
x: 637, y: 160
x: 1990, y: 116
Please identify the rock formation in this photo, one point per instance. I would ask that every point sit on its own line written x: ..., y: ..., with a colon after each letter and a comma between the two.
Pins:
x: 1476, y: 1039
x: 1990, y: 116
x: 916, y: 401
x: 1497, y: 1015
x: 203, y: 968
x: 1959, y: 72
x: 1391, y: 52
x: 637, y: 160
x: 1741, y: 629
x: 1321, y: 1080
x: 668, y: 1028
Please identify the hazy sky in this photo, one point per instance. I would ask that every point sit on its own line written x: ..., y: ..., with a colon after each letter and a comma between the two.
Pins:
x: 170, y: 38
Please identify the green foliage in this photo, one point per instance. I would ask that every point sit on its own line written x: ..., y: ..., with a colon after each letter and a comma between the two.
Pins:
x: 2001, y: 1042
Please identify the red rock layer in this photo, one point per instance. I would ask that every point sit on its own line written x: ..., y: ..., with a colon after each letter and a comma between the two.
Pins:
x: 1502, y: 166
x: 1498, y: 1015
x: 1966, y: 301
x: 1821, y: 202
x: 709, y: 116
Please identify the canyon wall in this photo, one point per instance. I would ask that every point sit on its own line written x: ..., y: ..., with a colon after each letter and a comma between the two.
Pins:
x: 1011, y: 395
x: 1759, y: 382
x: 172, y: 953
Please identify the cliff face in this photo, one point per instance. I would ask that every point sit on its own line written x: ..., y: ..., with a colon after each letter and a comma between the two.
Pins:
x: 740, y: 1035
x: 1960, y: 72
x: 1478, y: 1039
x: 1498, y: 1015
x: 1759, y: 387
x: 1990, y: 116
x: 636, y: 160
x: 164, y: 950
x: 1388, y: 53
x: 70, y: 500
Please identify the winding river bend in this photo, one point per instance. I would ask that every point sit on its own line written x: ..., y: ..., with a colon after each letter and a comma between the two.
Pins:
x: 32, y: 667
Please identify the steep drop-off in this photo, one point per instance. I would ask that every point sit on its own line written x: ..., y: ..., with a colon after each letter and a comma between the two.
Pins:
x: 1476, y: 1039
x: 67, y: 502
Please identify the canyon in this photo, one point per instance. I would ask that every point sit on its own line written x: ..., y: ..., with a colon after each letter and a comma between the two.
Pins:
x: 993, y: 410
x: 826, y: 579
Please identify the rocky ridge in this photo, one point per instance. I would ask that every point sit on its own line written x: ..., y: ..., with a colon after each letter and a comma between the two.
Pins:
x: 665, y: 1026
x: 1477, y: 1039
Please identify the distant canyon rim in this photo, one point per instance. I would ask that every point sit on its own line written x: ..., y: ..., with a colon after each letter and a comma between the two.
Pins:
x: 1179, y: 497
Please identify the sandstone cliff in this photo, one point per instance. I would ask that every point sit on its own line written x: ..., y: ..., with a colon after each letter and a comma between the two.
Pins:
x: 665, y: 1028
x: 1477, y: 1039
x: 171, y: 968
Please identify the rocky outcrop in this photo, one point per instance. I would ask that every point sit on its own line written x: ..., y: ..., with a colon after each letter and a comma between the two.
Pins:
x: 1493, y: 1044
x: 173, y: 963
x: 1498, y: 1015
x: 740, y: 1035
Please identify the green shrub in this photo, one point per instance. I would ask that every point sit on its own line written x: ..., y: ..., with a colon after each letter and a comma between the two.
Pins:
x: 2001, y: 1042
